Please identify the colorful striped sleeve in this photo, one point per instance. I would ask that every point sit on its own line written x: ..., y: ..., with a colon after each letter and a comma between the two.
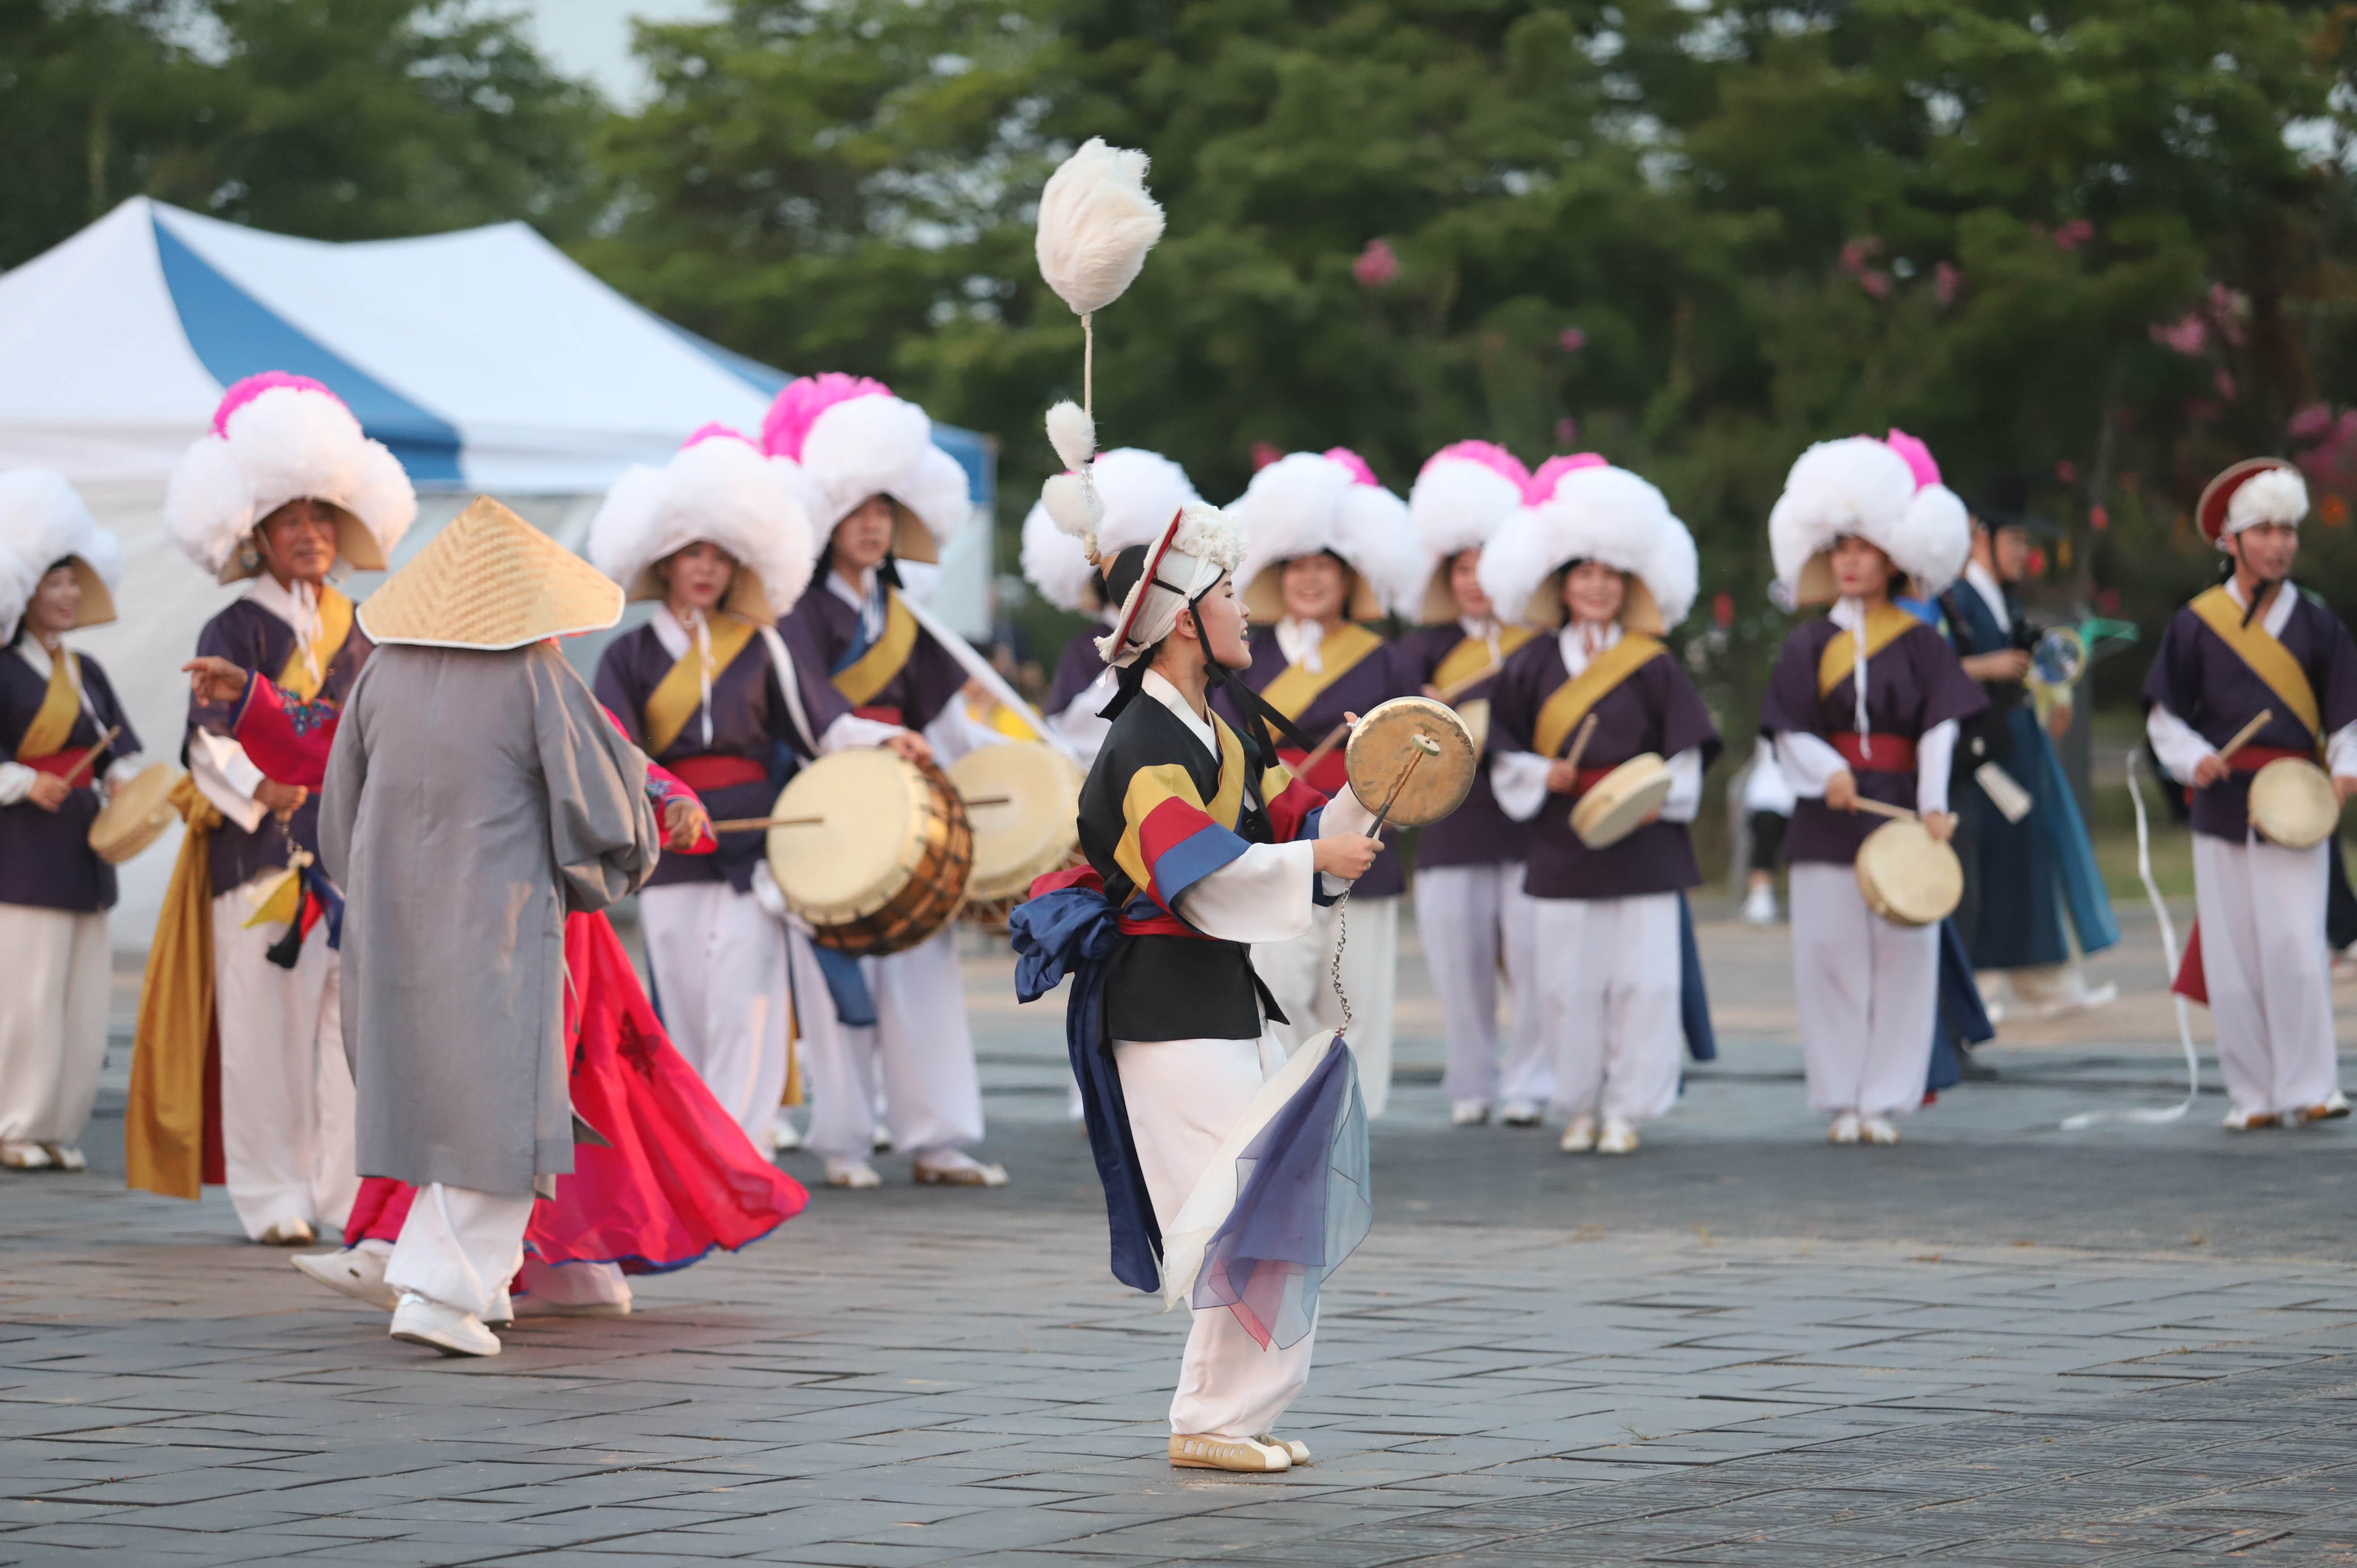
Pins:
x: 1168, y: 841
x: 1293, y: 805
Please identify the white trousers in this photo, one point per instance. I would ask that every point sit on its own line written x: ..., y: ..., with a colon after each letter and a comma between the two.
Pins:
x: 460, y: 1247
x: 1868, y: 993
x: 52, y: 1022
x: 285, y: 1088
x: 1300, y: 974
x: 719, y: 962
x: 920, y: 1042
x: 1183, y: 1096
x: 2269, y: 970
x: 1469, y: 918
x: 1609, y: 993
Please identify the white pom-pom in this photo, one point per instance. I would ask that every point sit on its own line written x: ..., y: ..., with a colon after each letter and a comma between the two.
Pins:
x: 1071, y: 501
x: 1096, y: 223
x: 1073, y: 433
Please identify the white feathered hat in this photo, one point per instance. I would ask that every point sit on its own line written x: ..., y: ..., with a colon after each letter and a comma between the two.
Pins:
x: 1886, y: 492
x: 1308, y: 503
x: 1583, y: 509
x: 718, y: 490
x: 849, y: 439
x: 1140, y: 492
x: 1182, y: 560
x: 43, y: 523
x: 2252, y: 491
x: 277, y: 439
x: 1465, y: 493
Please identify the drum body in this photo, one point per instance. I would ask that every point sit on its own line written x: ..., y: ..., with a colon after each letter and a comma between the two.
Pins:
x: 1909, y: 877
x: 1382, y: 746
x: 2293, y: 803
x: 875, y: 851
x: 1024, y: 801
x: 137, y: 815
x: 1618, y: 804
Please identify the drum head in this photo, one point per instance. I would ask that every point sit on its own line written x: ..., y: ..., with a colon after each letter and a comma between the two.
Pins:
x: 1028, y: 821
x: 137, y: 815
x: 2293, y: 803
x: 865, y: 842
x: 1620, y: 801
x: 1909, y: 877
x: 1380, y: 750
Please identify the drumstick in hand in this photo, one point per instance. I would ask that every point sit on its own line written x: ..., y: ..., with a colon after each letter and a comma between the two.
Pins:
x: 1877, y: 807
x: 74, y: 775
x: 1455, y: 689
x: 1579, y: 743
x: 2242, y: 736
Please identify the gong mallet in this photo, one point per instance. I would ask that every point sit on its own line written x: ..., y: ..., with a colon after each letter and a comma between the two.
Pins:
x: 1423, y: 745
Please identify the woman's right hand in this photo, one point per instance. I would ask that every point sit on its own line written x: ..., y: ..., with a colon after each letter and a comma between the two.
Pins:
x: 1349, y: 856
x: 1841, y: 792
x: 48, y: 791
x: 282, y: 801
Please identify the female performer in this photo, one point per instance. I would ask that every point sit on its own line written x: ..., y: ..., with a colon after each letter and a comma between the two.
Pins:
x: 1605, y: 558
x: 63, y: 737
x: 1470, y: 909
x: 1864, y: 705
x: 1329, y: 549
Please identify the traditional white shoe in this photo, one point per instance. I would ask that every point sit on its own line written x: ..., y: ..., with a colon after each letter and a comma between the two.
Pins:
x: 1296, y: 1451
x: 535, y: 1306
x: 2241, y: 1121
x: 2080, y: 1001
x: 851, y: 1173
x: 1580, y: 1136
x: 1844, y: 1129
x: 1469, y: 1112
x: 2332, y: 1110
x: 1620, y: 1137
x: 288, y: 1233
x: 955, y: 1167
x: 1522, y: 1114
x: 356, y: 1273
x: 1878, y: 1130
x: 1760, y: 906
x: 1240, y: 1454
x: 880, y: 1140
x: 66, y: 1158
x: 421, y: 1321
x: 24, y: 1156
x: 781, y: 1134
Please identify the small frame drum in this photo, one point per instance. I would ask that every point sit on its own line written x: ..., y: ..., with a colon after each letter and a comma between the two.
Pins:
x: 1024, y: 801
x: 2293, y: 803
x: 1909, y: 877
x: 1382, y: 746
x: 137, y: 815
x: 872, y: 851
x: 1618, y: 804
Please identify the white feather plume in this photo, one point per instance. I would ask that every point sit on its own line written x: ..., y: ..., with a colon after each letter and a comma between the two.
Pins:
x: 1934, y: 538
x: 2277, y: 495
x: 1071, y: 501
x: 719, y: 491
x: 1853, y: 486
x: 1073, y: 433
x: 1604, y: 514
x: 1096, y: 223
x: 43, y: 521
x: 285, y: 444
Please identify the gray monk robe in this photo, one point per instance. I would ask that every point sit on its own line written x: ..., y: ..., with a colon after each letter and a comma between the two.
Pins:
x: 473, y: 800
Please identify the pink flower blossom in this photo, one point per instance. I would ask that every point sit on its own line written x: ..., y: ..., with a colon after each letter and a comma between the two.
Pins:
x: 1947, y: 282
x: 2073, y: 234
x: 1876, y: 283
x: 2312, y: 422
x: 1853, y: 254
x: 2099, y: 518
x: 1572, y: 338
x: 2202, y: 411
x: 1263, y: 452
x: 2066, y: 472
x: 1566, y: 431
x: 2188, y: 337
x: 1376, y: 265
x: 1722, y: 608
x: 2224, y: 379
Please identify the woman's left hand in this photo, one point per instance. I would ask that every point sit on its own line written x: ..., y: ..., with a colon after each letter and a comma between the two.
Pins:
x: 1941, y: 825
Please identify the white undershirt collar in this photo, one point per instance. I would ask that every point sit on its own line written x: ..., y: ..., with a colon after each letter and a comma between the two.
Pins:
x: 1984, y: 583
x: 1581, y: 640
x: 2279, y: 608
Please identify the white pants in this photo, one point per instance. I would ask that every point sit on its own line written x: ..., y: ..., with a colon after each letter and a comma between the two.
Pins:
x: 1183, y: 1096
x: 1469, y: 918
x: 52, y: 1022
x: 1608, y: 992
x: 1868, y: 993
x: 1300, y: 975
x: 932, y: 1096
x: 2269, y: 970
x: 285, y: 1088
x: 719, y: 962
x: 575, y: 1284
x: 460, y: 1247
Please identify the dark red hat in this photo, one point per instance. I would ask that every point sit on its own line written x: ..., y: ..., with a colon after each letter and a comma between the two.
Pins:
x: 2211, y: 510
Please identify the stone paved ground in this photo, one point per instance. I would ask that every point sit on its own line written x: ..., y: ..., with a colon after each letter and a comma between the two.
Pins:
x: 1998, y: 1343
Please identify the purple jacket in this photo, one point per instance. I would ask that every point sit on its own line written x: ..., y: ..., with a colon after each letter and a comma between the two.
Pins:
x: 1477, y: 832
x: 45, y: 856
x: 914, y: 697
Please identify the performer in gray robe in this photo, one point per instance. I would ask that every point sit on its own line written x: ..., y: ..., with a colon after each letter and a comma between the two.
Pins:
x: 476, y: 795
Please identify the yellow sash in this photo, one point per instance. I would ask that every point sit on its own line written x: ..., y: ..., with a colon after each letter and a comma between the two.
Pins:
x: 164, y: 1126
x: 1297, y: 686
x: 2270, y: 660
x: 873, y: 670
x: 335, y: 626
x: 678, y: 695
x: 60, y: 705
x: 1884, y: 623
x: 1470, y: 657
x: 1570, y: 702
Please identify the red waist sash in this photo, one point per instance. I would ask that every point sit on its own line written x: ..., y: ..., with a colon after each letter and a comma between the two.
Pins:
x: 2251, y: 758
x: 1589, y: 778
x: 1158, y: 926
x: 715, y: 772
x: 59, y: 763
x: 1892, y: 753
x: 882, y: 715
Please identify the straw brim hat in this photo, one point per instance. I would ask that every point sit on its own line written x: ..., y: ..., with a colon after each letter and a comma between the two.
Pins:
x: 493, y: 581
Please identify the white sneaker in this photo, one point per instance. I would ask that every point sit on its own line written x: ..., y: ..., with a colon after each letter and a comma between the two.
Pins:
x: 288, y: 1233
x: 851, y: 1173
x: 1521, y: 1113
x: 358, y: 1273
x: 1469, y: 1112
x: 780, y: 1134
x: 65, y: 1157
x: 1760, y: 906
x: 880, y: 1140
x: 1844, y: 1129
x: 1620, y: 1137
x: 24, y: 1156
x: 1580, y: 1136
x: 1878, y: 1130
x: 421, y: 1321
x: 2081, y: 1001
x: 955, y: 1167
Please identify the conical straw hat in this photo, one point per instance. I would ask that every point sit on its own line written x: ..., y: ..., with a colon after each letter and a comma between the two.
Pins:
x: 490, y: 580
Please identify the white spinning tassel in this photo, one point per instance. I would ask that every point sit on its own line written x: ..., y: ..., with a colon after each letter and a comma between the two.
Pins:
x: 1096, y: 223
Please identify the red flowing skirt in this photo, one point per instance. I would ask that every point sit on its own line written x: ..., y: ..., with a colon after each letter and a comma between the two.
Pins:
x: 681, y: 1178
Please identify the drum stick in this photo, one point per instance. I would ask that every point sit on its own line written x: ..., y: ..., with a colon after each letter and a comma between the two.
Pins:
x: 989, y: 800
x: 748, y: 824
x: 2242, y: 736
x: 1423, y: 745
x: 1896, y: 813
x: 1580, y: 742
x: 73, y: 774
x: 1310, y: 762
x: 1455, y: 689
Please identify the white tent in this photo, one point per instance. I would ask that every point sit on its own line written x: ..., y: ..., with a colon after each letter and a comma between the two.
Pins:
x: 487, y: 360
